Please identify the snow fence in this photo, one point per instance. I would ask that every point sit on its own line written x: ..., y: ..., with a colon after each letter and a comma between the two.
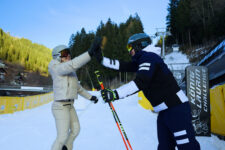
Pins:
x: 144, y: 102
x: 12, y: 104
x: 217, y: 102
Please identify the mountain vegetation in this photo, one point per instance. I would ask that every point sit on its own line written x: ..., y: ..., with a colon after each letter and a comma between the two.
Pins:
x: 34, y: 57
x: 195, y: 22
x: 114, y: 48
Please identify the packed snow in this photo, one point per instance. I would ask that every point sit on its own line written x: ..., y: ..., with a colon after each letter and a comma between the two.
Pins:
x: 35, y: 129
x: 177, y: 61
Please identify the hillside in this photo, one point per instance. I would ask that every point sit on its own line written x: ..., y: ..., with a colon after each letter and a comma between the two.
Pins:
x: 17, y: 75
x: 23, y: 63
x: 34, y: 57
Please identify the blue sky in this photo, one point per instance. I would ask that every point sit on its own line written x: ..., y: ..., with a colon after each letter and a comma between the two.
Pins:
x: 51, y: 22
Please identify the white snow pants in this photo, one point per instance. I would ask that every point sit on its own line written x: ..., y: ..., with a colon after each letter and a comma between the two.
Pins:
x: 67, y: 124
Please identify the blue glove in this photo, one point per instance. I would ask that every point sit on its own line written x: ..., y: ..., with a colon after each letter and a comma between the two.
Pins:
x: 109, y: 95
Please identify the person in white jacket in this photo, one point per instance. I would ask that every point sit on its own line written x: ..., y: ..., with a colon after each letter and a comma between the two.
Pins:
x: 65, y: 89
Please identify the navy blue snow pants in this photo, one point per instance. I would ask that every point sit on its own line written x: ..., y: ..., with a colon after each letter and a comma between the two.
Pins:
x: 175, y: 129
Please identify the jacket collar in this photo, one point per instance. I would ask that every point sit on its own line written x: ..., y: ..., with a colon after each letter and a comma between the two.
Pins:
x: 137, y: 55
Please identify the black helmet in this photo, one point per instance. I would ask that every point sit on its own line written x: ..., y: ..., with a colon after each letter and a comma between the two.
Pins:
x: 138, y: 41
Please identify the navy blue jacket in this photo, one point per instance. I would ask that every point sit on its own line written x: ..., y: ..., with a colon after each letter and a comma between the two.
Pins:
x: 155, y: 80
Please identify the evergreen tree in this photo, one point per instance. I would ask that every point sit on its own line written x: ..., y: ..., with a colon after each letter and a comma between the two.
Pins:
x: 115, y: 47
x: 194, y: 22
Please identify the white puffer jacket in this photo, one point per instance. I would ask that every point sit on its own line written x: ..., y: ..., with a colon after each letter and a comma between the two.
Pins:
x: 65, y: 82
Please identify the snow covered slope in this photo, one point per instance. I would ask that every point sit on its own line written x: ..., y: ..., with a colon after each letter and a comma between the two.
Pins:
x: 35, y: 129
x: 177, y: 62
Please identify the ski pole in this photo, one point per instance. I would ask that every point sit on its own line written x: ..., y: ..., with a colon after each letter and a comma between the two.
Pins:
x: 124, y: 133
x: 115, y: 116
x: 112, y: 108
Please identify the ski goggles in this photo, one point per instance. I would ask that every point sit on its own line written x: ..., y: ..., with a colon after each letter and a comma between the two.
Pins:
x: 65, y: 53
x: 129, y: 47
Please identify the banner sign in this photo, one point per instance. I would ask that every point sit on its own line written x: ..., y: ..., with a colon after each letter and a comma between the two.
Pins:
x: 198, y: 94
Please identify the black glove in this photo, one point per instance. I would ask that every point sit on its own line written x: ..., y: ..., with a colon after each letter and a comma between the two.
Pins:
x: 109, y: 95
x: 94, y: 99
x: 98, y: 55
x: 96, y: 46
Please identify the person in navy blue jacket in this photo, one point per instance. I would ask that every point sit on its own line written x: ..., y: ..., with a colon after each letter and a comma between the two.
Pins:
x: 160, y: 87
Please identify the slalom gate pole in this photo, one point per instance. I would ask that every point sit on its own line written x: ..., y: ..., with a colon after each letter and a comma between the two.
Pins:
x: 115, y: 116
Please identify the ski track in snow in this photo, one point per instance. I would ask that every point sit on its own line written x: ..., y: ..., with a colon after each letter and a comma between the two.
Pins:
x: 34, y: 129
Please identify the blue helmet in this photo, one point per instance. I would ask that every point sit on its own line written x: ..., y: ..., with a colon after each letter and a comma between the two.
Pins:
x: 138, y: 41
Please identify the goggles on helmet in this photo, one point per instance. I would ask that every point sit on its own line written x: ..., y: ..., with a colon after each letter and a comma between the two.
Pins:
x: 65, y: 53
x: 129, y: 47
